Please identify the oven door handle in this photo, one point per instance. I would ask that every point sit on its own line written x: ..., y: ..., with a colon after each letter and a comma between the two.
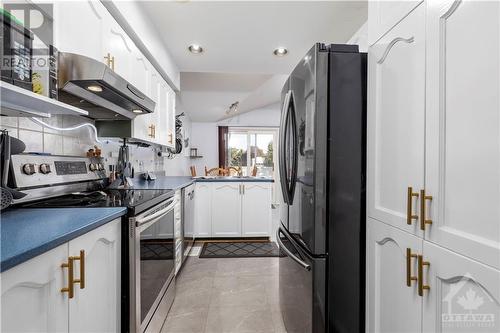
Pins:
x: 304, y: 265
x: 157, y: 215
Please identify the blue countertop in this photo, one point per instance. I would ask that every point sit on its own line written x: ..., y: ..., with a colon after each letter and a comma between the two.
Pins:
x: 162, y: 183
x: 235, y: 179
x: 27, y: 233
x: 177, y: 182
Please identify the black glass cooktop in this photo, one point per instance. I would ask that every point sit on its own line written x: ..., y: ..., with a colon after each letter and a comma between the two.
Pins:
x: 137, y: 200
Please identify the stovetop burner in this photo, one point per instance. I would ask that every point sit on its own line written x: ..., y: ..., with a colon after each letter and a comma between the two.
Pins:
x: 130, y: 198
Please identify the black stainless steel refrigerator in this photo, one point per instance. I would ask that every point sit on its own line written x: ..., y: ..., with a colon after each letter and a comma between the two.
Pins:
x: 322, y: 170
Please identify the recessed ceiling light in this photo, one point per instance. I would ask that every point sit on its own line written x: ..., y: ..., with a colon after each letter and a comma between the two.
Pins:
x: 195, y: 48
x: 137, y: 111
x: 280, y: 51
x: 95, y: 88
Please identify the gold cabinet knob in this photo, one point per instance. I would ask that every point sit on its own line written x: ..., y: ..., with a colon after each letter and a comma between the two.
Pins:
x: 423, y: 201
x: 409, y: 206
x: 81, y: 280
x: 421, y: 285
x: 69, y: 289
x: 409, y: 277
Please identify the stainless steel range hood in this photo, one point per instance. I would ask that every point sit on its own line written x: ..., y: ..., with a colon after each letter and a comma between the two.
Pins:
x: 93, y: 86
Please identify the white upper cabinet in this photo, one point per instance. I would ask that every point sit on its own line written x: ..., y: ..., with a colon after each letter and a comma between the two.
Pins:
x: 393, y: 303
x: 383, y: 15
x: 118, y: 49
x: 141, y: 70
x: 163, y: 114
x: 170, y: 115
x: 32, y: 300
x: 96, y: 307
x: 226, y: 210
x: 255, y: 209
x: 463, y: 127
x: 396, y: 110
x: 463, y: 295
x: 78, y: 27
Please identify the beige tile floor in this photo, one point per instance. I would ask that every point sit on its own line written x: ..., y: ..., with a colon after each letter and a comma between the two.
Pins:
x: 226, y: 295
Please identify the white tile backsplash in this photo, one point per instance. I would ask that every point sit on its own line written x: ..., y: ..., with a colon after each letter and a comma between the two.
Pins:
x: 52, y: 144
x: 32, y: 139
x: 54, y: 121
x: 27, y: 123
x: 8, y: 121
x: 77, y: 143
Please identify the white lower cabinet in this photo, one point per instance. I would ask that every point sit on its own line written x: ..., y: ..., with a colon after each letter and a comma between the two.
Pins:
x: 256, y: 209
x: 32, y: 300
x: 96, y: 306
x: 203, y: 210
x: 226, y: 210
x: 233, y: 209
x: 416, y: 286
x: 392, y: 305
x: 32, y: 296
x: 463, y: 295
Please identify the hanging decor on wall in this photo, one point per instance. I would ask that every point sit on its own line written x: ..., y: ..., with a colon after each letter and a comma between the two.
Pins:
x: 178, y: 137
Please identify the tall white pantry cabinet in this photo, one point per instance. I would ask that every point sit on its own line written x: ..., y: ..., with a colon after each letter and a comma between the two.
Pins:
x: 433, y: 190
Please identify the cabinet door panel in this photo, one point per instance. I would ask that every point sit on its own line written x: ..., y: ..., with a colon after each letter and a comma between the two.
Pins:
x: 96, y: 308
x: 463, y: 127
x: 464, y: 295
x: 256, y: 209
x: 32, y: 300
x: 78, y: 27
x: 383, y: 15
x: 120, y: 46
x: 203, y: 210
x: 226, y: 210
x: 396, y: 103
x: 391, y: 306
x: 170, y: 117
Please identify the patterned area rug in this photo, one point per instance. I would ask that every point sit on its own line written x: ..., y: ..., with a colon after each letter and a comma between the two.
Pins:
x: 239, y: 250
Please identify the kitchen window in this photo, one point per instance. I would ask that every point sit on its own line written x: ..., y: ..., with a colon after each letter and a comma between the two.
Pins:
x: 253, y: 147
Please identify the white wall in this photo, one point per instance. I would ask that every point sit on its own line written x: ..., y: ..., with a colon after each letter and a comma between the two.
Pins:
x: 360, y: 38
x: 267, y: 116
x: 204, y: 136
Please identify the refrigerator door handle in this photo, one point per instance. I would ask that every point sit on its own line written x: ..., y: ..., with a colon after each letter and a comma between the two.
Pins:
x: 304, y: 265
x: 282, y: 141
x: 295, y: 149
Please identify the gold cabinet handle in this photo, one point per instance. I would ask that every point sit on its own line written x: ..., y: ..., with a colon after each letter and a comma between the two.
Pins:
x: 171, y: 138
x: 421, y: 285
x: 409, y: 277
x: 110, y: 61
x: 69, y: 289
x: 423, y: 217
x: 151, y: 131
x: 409, y: 206
x: 81, y: 280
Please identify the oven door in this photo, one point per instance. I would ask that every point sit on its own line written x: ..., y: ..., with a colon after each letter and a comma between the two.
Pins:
x: 152, y: 265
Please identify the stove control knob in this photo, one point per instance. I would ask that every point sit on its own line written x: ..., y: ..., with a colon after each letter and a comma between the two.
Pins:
x: 29, y: 169
x: 45, y: 168
x: 93, y: 167
x: 100, y: 167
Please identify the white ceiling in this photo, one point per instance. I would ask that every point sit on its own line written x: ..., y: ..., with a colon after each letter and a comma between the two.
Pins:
x: 239, y: 38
